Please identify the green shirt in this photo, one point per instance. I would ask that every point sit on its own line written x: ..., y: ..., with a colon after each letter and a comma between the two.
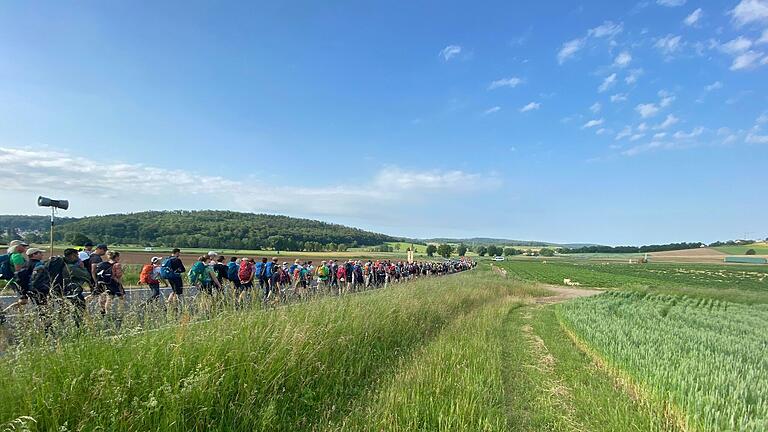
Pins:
x: 17, y: 261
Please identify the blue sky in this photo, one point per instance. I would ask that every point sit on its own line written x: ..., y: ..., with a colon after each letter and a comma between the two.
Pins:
x: 607, y: 122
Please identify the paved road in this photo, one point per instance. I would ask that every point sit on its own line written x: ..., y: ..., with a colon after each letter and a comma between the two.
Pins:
x: 131, y: 295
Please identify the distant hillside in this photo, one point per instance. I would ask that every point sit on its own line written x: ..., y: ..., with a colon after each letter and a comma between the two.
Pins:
x: 19, y: 226
x: 485, y: 241
x: 214, y: 229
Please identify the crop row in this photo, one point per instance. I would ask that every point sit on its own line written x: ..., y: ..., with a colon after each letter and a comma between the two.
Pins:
x: 705, y: 357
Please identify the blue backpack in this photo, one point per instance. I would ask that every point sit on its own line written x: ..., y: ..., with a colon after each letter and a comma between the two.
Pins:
x: 166, y: 272
x: 260, y: 269
x: 197, y: 273
x: 268, y: 270
x: 6, y: 272
x: 232, y: 269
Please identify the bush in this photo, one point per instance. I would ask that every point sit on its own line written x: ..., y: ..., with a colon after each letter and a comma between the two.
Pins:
x: 750, y: 252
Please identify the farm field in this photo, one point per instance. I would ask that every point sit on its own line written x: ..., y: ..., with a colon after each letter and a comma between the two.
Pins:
x: 736, y: 283
x: 478, y: 350
x: 760, y: 249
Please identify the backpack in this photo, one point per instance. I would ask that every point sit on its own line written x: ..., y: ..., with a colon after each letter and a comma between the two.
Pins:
x: 166, y: 272
x: 261, y: 268
x: 146, y: 274
x: 104, y: 272
x: 197, y: 273
x: 232, y: 270
x: 6, y: 272
x: 50, y: 274
x: 268, y: 269
x: 246, y: 271
x: 322, y: 271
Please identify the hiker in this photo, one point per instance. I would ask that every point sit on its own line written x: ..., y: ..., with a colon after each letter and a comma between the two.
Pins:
x: 96, y: 258
x: 245, y: 275
x: 14, y: 261
x: 85, y: 255
x: 260, y: 271
x: 232, y: 268
x: 279, y: 281
x: 203, y: 275
x: 322, y: 277
x: 24, y: 276
x: 109, y: 274
x: 171, y: 270
x: 150, y: 275
x: 269, y: 269
x: 341, y: 277
x: 221, y: 271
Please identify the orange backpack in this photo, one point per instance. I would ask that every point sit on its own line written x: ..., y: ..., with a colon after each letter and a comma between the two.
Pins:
x: 146, y: 274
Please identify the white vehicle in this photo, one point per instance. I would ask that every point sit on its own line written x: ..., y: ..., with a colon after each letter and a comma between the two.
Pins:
x: 498, y: 258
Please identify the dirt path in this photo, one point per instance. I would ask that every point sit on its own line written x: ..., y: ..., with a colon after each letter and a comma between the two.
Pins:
x: 562, y: 294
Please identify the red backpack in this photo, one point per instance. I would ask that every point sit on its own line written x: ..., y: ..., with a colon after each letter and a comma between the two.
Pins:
x: 246, y: 271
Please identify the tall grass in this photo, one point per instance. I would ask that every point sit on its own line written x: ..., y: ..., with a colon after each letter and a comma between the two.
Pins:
x: 293, y: 368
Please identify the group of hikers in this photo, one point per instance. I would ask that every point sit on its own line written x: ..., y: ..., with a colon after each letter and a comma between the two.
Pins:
x: 63, y: 277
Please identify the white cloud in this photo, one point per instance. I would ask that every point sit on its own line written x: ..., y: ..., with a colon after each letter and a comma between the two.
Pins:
x: 647, y: 110
x: 669, y: 121
x: 608, y: 82
x: 660, y: 135
x: 601, y: 131
x: 689, y: 135
x: 592, y: 123
x: 116, y: 186
x: 717, y: 85
x: 492, y: 110
x: 627, y: 131
x: 530, y: 107
x: 666, y: 98
x: 634, y: 74
x: 606, y: 29
x: 749, y: 11
x: 510, y: 82
x: 755, y: 138
x: 619, y: 97
x: 693, y: 18
x: 669, y: 44
x: 569, y: 49
x: 670, y: 3
x: 746, y: 60
x: 636, y: 137
x: 736, y: 46
x: 764, y: 38
x: 596, y: 107
x: 450, y: 52
x: 623, y: 59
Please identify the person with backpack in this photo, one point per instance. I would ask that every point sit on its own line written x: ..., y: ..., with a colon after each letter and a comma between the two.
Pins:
x: 203, y: 275
x: 171, y: 270
x: 322, y: 277
x: 232, y: 269
x: 341, y: 277
x: 109, y: 274
x: 95, y: 259
x: 221, y: 271
x: 260, y: 273
x: 24, y: 276
x: 150, y: 276
x: 245, y: 275
x: 11, y: 263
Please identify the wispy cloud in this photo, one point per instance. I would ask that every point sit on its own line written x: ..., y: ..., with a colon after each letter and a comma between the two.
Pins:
x: 714, y: 86
x: 606, y: 29
x: 750, y: 11
x: 530, y: 107
x: 747, y: 60
x: 450, y: 52
x: 596, y: 107
x: 670, y: 3
x: 608, y: 83
x: 695, y: 132
x: 569, y: 49
x: 623, y: 59
x: 669, y: 44
x: 692, y: 19
x: 647, y: 110
x: 117, y: 184
x: 510, y: 82
x: 763, y: 38
x: 626, y: 132
x: 634, y: 74
x: 619, y: 97
x: 592, y: 123
x: 668, y: 122
x: 492, y: 110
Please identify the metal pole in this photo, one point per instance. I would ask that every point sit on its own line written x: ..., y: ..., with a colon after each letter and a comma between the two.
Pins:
x: 52, y: 210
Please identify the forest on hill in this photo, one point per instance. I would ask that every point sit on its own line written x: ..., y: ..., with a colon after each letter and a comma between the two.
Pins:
x: 207, y: 228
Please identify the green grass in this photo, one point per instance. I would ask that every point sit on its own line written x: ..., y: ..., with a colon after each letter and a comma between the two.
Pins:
x: 704, y: 359
x: 743, y: 284
x: 760, y: 249
x: 292, y: 368
x: 553, y: 386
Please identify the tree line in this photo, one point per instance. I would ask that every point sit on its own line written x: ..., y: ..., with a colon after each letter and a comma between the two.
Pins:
x: 632, y: 249
x: 206, y: 228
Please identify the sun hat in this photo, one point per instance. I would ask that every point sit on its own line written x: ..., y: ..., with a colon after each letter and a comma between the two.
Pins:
x: 156, y: 259
x: 32, y: 251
